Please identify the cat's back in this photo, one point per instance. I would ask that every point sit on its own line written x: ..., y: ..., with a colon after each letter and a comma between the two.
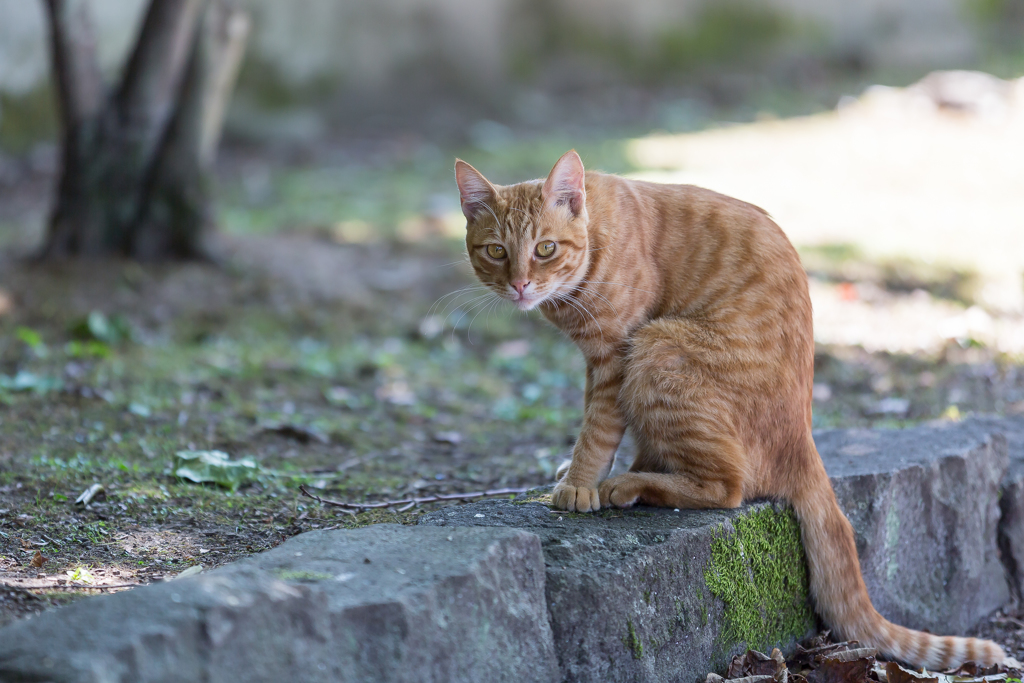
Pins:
x: 708, y: 248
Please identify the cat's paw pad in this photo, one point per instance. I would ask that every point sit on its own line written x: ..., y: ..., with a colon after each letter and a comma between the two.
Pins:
x: 619, y: 492
x: 575, y: 498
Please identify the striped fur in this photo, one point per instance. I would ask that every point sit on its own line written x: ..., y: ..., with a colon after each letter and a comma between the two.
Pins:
x: 693, y: 313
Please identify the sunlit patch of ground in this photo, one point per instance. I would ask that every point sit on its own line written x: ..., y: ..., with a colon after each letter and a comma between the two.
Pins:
x: 884, y: 174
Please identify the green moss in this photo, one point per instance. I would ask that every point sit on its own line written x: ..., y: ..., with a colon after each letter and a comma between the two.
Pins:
x: 632, y: 642
x: 539, y: 495
x: 378, y: 516
x: 760, y: 572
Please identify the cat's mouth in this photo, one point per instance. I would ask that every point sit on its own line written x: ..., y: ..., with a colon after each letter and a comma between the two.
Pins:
x: 526, y: 301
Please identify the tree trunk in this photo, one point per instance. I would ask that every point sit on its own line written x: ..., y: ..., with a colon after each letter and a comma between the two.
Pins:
x: 136, y: 166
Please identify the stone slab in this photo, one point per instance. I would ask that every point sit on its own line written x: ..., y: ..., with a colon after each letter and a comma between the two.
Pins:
x: 628, y: 591
x: 1011, y: 502
x: 383, y: 603
x: 924, y: 504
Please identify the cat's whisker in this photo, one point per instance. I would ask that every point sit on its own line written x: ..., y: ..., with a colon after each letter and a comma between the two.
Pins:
x: 457, y: 291
x: 464, y: 259
x: 463, y: 290
x: 472, y: 304
x: 581, y: 309
x: 477, y: 303
x: 591, y: 292
x: 490, y: 304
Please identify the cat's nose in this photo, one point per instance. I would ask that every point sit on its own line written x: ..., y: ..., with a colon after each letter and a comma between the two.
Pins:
x: 520, y: 285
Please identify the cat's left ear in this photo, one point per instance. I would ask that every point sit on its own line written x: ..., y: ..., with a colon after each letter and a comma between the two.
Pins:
x: 475, y: 190
x: 565, y: 185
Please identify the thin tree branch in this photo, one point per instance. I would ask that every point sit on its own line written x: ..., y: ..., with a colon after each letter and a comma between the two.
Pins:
x: 73, y: 51
x: 226, y: 33
x: 411, y: 502
x: 176, y: 213
x: 207, y: 87
x: 70, y: 586
x: 153, y: 76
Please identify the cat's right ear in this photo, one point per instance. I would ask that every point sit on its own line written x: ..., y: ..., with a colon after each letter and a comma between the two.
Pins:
x: 476, y: 192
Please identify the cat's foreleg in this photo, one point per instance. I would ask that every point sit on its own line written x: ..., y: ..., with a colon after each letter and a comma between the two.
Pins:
x: 594, y: 452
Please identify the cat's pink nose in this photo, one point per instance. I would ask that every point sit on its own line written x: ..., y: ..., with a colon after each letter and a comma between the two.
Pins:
x: 520, y: 285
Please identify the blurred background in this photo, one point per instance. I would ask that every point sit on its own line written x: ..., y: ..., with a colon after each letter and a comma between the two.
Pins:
x: 334, y: 343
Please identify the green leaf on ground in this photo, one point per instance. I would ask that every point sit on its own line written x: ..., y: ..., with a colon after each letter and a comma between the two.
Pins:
x: 97, y: 326
x: 28, y: 381
x: 214, y: 467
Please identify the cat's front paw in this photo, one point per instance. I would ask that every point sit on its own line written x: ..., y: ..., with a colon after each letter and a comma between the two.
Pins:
x: 575, y: 498
x: 621, y: 492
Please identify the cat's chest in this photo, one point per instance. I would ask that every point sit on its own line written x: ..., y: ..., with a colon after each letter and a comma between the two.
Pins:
x: 595, y: 331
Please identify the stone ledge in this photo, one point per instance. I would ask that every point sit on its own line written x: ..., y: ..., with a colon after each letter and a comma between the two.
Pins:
x: 628, y: 590
x: 531, y: 594
x: 430, y: 605
x: 924, y: 503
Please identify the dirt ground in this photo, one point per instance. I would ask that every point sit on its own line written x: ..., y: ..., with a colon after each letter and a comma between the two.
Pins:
x: 365, y: 369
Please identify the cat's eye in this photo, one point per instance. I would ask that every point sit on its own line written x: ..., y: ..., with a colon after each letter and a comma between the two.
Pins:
x: 545, y: 249
x: 496, y: 251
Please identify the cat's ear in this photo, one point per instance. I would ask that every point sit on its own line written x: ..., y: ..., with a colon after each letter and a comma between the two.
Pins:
x: 476, y: 192
x: 565, y: 184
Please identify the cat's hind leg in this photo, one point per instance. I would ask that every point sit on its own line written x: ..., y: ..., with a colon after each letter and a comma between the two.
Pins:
x: 676, y: 394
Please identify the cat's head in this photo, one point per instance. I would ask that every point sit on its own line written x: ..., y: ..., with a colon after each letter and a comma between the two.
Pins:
x: 527, y: 242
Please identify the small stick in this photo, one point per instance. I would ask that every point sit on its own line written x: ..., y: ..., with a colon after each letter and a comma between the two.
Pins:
x: 52, y: 540
x: 71, y: 586
x: 409, y: 502
x: 87, y: 495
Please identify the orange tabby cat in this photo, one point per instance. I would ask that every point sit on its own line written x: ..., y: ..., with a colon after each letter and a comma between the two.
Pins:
x: 692, y: 311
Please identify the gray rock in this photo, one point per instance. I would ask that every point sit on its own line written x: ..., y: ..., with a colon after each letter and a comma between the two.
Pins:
x: 657, y: 595
x: 1011, y: 502
x: 924, y: 503
x: 431, y: 604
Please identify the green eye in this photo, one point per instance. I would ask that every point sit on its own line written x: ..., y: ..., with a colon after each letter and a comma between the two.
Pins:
x: 545, y: 249
x: 496, y: 251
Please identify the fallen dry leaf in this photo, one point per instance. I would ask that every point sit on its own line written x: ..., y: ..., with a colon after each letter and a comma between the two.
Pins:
x: 854, y: 654
x: 38, y: 560
x: 974, y: 669
x: 894, y: 673
x: 842, y: 668
x: 753, y: 663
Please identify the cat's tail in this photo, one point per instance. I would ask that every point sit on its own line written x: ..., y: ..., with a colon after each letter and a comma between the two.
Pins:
x: 841, y: 598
